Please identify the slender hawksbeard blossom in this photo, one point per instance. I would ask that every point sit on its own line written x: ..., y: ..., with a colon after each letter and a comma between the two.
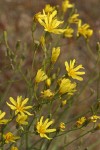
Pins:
x: 73, y: 19
x: 48, y: 8
x: 69, y: 32
x: 84, y: 30
x: 47, y: 93
x: 66, y: 5
x: 9, y: 137
x: 62, y: 126
x: 40, y: 76
x: 21, y: 119
x: 42, y: 41
x: 67, y: 87
x: 19, y: 105
x: 14, y: 148
x: 80, y: 121
x: 50, y: 22
x: 48, y: 82
x: 55, y: 54
x: 2, y: 115
x: 94, y: 118
x: 73, y: 71
x: 63, y: 102
x: 42, y: 127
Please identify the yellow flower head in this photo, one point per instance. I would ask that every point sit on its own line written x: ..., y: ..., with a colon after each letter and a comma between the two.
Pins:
x: 81, y: 121
x: 47, y: 93
x: 65, y: 5
x: 50, y: 22
x: 40, y: 76
x: 3, y: 121
x: 63, y: 102
x: 48, y: 8
x: 73, y: 71
x: 48, y: 82
x: 74, y: 19
x: 68, y: 32
x: 98, y: 127
x: 42, y: 41
x: 84, y: 30
x: 67, y: 87
x: 55, y: 54
x: 9, y: 137
x: 62, y: 126
x: 19, y: 105
x: 14, y: 148
x: 21, y: 119
x: 94, y: 118
x: 42, y: 127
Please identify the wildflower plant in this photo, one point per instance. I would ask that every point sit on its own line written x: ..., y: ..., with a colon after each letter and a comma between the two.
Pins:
x: 50, y: 22
x: 9, y: 137
x: 42, y: 127
x: 43, y: 113
x: 73, y: 71
x: 19, y: 105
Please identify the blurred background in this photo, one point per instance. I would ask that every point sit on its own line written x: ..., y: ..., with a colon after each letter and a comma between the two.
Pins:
x: 16, y: 18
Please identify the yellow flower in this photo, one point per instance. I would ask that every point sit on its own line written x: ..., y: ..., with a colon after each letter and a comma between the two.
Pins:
x: 73, y: 71
x: 21, y: 119
x: 63, y: 103
x: 42, y: 41
x: 3, y: 121
x: 81, y: 121
x: 67, y: 87
x: 48, y: 82
x: 94, y: 118
x: 47, y: 93
x: 19, y: 105
x: 50, y: 22
x: 68, y: 32
x: 48, y: 8
x: 65, y: 5
x: 98, y: 127
x: 62, y: 126
x: 40, y: 76
x: 9, y: 137
x: 14, y: 148
x: 84, y: 30
x: 42, y: 127
x: 74, y: 19
x: 55, y: 54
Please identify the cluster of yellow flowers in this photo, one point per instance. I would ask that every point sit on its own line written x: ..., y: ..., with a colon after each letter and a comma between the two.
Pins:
x: 84, y: 121
x: 18, y: 106
x: 49, y: 20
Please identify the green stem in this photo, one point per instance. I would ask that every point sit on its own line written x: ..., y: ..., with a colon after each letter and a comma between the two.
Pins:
x: 2, y: 131
x: 45, y: 57
x: 26, y: 140
x: 31, y: 147
x: 24, y: 77
x: 77, y: 138
x: 48, y: 145
x: 98, y: 87
x: 90, y: 50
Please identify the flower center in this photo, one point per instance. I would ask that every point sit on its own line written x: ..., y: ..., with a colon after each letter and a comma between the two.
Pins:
x: 42, y: 129
x: 9, y: 137
x: 71, y: 72
x: 19, y: 108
